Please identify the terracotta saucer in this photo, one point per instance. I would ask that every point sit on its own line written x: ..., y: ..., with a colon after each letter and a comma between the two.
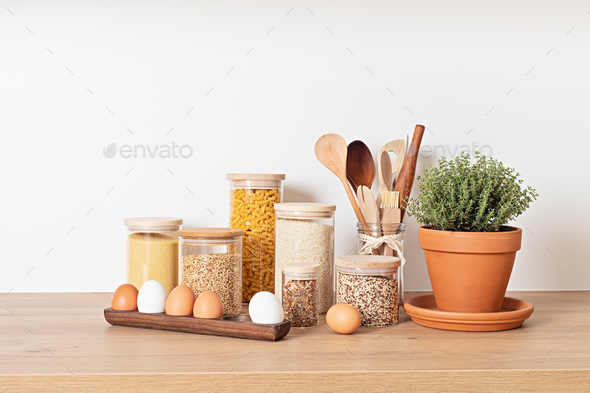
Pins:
x: 422, y: 310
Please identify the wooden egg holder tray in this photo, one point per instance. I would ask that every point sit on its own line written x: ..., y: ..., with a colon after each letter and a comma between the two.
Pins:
x: 239, y: 326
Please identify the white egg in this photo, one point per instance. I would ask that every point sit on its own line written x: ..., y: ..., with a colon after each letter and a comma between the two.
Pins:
x: 266, y: 308
x: 152, y: 297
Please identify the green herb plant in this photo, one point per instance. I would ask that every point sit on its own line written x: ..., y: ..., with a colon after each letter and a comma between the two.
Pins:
x: 459, y: 195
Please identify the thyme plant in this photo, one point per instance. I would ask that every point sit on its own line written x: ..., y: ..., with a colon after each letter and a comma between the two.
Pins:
x: 459, y: 195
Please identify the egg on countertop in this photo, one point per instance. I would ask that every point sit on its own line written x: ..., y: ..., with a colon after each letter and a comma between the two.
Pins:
x: 208, y: 305
x: 265, y: 308
x: 152, y: 297
x: 180, y: 302
x: 343, y: 318
x: 125, y: 298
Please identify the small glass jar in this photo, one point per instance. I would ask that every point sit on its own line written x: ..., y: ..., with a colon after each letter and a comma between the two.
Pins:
x: 252, y: 198
x: 305, y: 233
x: 397, y: 230
x: 211, y: 260
x: 369, y: 283
x: 300, y: 293
x: 152, y: 250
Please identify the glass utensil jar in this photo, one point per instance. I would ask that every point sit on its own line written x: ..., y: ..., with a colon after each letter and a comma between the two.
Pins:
x: 394, y: 231
x: 152, y: 250
x: 300, y: 293
x: 369, y: 283
x: 211, y: 260
x: 251, y: 209
x: 305, y: 233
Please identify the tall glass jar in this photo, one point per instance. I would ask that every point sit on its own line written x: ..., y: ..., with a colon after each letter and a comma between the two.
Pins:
x: 152, y: 250
x: 251, y: 209
x: 395, y: 231
x: 300, y: 293
x: 369, y: 283
x: 211, y: 260
x: 305, y: 233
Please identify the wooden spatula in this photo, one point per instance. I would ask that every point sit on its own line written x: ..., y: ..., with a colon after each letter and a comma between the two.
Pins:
x: 368, y: 205
x: 369, y: 208
x: 330, y: 150
x: 398, y: 147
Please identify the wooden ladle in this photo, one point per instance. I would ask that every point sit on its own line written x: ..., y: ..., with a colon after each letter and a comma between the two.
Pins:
x: 331, y: 151
x: 360, y: 166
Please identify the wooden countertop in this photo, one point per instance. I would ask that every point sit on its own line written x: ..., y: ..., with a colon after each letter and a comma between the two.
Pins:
x: 61, y: 342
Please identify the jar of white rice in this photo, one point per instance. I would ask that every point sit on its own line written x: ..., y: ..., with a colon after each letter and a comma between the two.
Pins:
x: 305, y: 233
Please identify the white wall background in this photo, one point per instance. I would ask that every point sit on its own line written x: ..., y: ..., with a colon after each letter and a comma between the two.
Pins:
x: 512, y: 75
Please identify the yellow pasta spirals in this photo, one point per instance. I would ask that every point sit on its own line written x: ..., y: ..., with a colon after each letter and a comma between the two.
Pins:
x: 252, y: 210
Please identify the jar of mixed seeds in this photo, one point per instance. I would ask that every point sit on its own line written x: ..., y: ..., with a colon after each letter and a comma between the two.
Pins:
x: 152, y: 250
x: 369, y: 283
x: 305, y: 233
x: 251, y: 209
x: 395, y: 232
x: 211, y: 260
x: 300, y: 293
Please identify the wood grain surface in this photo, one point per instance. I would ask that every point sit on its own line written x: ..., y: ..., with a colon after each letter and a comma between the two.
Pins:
x: 61, y: 342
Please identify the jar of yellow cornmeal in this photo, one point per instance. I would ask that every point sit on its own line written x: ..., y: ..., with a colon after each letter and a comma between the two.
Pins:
x: 251, y: 209
x: 152, y: 250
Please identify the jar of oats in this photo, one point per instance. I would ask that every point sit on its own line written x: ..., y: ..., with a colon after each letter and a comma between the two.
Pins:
x: 251, y: 209
x: 152, y: 250
x: 211, y: 260
x: 369, y: 283
x: 305, y: 233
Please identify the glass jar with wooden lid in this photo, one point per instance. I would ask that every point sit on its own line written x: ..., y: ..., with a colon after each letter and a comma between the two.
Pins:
x: 369, y: 283
x: 251, y: 209
x: 301, y: 293
x: 305, y: 233
x: 152, y: 250
x: 211, y: 260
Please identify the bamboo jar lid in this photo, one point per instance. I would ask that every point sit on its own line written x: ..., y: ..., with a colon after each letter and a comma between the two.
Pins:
x: 255, y: 176
x: 210, y: 233
x: 152, y: 221
x: 368, y: 261
x: 304, y: 207
x: 303, y: 210
x: 300, y: 267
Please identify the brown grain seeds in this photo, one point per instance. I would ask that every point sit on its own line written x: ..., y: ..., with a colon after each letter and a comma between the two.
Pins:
x: 219, y: 273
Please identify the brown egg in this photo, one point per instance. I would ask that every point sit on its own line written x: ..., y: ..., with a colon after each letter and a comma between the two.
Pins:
x: 125, y: 298
x: 343, y: 318
x: 208, y: 305
x: 180, y: 301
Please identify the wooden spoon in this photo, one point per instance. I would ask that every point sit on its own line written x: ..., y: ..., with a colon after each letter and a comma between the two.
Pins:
x: 360, y: 166
x: 385, y: 174
x: 398, y: 147
x: 331, y: 151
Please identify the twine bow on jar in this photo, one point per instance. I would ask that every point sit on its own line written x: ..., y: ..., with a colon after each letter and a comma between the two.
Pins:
x: 373, y: 243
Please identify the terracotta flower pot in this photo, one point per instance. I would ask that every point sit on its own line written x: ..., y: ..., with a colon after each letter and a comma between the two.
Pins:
x: 469, y: 271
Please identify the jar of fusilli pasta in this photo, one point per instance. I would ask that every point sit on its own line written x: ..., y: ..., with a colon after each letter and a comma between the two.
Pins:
x: 251, y: 209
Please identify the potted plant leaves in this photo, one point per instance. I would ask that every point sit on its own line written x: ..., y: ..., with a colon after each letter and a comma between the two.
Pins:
x: 464, y: 207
